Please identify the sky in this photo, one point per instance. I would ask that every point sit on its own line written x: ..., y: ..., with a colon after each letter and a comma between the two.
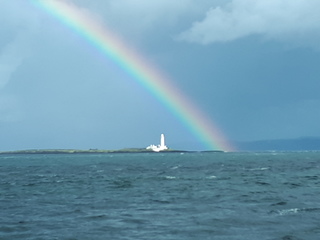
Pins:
x: 251, y: 66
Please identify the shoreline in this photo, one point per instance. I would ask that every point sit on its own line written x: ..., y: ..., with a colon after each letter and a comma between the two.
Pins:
x: 97, y: 151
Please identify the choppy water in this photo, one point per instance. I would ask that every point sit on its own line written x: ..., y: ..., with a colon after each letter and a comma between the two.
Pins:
x: 161, y: 196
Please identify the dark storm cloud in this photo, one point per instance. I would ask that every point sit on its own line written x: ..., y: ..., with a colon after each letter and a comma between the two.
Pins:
x: 252, y: 66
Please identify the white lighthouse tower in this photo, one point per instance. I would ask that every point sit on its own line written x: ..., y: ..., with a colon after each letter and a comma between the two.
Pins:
x: 162, y: 144
x: 160, y: 147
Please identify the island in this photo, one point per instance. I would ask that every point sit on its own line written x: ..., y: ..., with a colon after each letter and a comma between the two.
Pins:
x: 97, y: 151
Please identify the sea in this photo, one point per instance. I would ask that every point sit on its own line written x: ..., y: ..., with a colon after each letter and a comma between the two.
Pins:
x: 161, y: 196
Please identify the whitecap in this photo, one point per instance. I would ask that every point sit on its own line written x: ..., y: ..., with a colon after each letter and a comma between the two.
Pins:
x: 211, y: 177
x: 264, y: 168
x: 175, y: 167
x: 259, y: 169
x: 288, y: 211
x: 170, y: 177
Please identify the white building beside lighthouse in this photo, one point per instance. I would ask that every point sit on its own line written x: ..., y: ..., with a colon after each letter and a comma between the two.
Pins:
x: 160, y: 147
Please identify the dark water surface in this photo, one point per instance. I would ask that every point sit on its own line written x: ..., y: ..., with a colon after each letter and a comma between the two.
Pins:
x: 161, y: 196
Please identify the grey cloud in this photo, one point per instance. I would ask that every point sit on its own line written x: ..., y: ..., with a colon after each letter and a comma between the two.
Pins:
x: 9, y: 108
x: 287, y: 20
x: 139, y: 19
x: 10, y: 59
x: 17, y: 28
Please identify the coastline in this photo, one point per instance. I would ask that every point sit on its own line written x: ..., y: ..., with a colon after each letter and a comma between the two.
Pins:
x: 96, y: 151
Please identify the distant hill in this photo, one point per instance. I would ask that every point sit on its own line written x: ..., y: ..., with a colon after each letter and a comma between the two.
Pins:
x: 298, y: 144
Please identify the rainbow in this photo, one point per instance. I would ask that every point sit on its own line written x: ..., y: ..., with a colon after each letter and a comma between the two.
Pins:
x: 158, y: 85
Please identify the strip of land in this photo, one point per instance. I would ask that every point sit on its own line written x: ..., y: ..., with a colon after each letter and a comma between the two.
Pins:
x: 93, y: 151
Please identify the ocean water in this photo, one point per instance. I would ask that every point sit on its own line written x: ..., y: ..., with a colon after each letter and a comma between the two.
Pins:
x: 162, y: 196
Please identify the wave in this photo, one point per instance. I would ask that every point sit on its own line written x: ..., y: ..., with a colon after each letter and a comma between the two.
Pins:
x: 291, y: 211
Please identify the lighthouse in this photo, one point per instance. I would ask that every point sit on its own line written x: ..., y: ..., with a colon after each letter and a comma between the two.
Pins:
x: 162, y: 144
x: 160, y: 147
